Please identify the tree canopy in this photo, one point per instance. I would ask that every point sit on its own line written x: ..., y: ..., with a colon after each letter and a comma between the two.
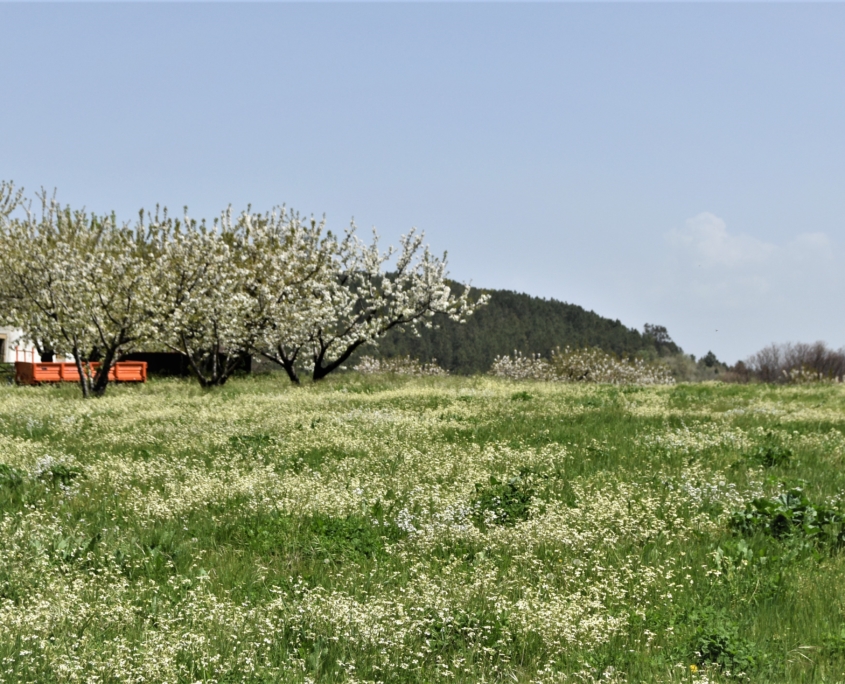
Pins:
x: 268, y: 284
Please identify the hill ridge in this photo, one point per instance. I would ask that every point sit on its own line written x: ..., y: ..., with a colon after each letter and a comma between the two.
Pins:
x: 513, y: 321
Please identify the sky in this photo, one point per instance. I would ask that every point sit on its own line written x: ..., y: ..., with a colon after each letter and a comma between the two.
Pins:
x: 674, y: 164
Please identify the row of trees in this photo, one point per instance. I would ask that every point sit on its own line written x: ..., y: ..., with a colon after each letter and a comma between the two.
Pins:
x: 788, y: 363
x: 271, y: 284
x: 794, y: 363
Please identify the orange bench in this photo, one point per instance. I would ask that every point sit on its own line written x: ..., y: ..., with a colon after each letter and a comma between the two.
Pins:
x: 35, y: 373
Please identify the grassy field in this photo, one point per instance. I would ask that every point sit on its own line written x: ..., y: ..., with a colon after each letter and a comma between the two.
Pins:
x: 398, y: 530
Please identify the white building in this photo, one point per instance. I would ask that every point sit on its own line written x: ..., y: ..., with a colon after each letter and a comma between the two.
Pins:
x: 9, y: 340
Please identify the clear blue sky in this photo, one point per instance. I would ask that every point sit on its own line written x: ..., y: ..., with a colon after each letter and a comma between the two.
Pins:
x: 666, y: 163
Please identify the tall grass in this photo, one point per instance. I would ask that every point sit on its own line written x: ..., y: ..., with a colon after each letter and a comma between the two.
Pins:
x: 393, y: 529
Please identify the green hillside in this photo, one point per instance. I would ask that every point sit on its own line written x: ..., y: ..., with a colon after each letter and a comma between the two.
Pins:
x: 510, y: 321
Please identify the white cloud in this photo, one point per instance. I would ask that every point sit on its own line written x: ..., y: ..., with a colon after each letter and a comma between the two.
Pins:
x: 705, y: 245
x: 735, y: 293
x: 812, y: 241
x: 707, y: 237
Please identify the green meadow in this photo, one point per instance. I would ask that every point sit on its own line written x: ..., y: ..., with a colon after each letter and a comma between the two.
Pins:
x: 390, y: 529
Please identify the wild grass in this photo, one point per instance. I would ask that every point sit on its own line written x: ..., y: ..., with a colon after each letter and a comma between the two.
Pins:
x: 380, y: 528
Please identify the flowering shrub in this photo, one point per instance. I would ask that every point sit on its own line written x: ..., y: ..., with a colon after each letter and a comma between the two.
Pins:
x: 806, y: 375
x: 402, y: 365
x: 581, y: 365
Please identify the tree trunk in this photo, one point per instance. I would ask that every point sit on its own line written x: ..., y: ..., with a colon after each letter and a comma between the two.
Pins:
x: 192, y: 362
x: 101, y: 381
x: 321, y: 371
x: 286, y: 362
x: 219, y: 372
x: 83, y: 377
x: 290, y: 369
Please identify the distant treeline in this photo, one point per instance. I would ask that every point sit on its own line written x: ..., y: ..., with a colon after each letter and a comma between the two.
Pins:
x: 514, y: 321
x: 792, y: 363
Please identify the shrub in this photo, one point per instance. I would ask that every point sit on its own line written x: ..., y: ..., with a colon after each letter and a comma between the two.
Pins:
x: 403, y: 365
x: 581, y: 365
x: 716, y: 640
x: 501, y: 503
x: 791, y: 514
x: 771, y: 453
